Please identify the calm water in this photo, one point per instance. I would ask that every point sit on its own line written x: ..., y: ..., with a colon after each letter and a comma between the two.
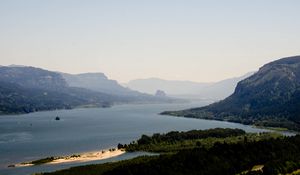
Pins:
x: 37, y: 135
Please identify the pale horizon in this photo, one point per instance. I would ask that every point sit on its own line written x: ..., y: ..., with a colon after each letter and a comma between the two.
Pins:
x: 122, y: 83
x: 200, y: 41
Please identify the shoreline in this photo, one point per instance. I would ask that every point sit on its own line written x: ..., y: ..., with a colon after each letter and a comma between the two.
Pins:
x: 269, y: 128
x: 81, y: 157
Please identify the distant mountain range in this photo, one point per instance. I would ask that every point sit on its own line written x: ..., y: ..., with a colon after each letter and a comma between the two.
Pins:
x: 188, y: 89
x: 270, y: 97
x: 28, y: 89
x: 98, y: 82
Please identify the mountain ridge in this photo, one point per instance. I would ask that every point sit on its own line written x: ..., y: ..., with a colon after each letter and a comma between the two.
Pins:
x: 25, y: 89
x: 97, y: 82
x: 270, y: 97
x: 188, y: 89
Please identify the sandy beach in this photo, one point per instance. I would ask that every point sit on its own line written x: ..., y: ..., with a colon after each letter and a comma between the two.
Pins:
x: 89, y: 156
x: 81, y: 157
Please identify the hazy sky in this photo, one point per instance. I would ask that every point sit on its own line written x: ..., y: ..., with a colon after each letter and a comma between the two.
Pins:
x: 128, y: 39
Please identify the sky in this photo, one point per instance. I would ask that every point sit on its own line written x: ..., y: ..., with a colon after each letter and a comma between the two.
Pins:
x: 196, y: 40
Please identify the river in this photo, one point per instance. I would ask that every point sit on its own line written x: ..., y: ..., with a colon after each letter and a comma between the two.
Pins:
x: 38, y: 135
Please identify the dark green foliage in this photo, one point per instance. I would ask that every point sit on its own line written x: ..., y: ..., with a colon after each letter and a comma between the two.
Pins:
x: 277, y: 156
x: 270, y: 97
x: 282, y: 166
x: 183, y: 141
x: 190, y: 135
x: 120, y: 146
x: 174, y: 140
x: 43, y: 161
x: 101, y: 168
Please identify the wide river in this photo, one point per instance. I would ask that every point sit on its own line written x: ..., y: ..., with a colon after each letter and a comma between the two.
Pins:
x: 38, y: 135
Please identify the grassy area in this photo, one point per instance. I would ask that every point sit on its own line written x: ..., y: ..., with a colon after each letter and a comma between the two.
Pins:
x: 297, y: 172
x: 280, y: 129
x: 255, y: 168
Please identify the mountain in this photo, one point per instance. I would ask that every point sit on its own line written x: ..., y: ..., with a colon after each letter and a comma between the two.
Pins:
x: 29, y: 89
x: 188, y: 89
x: 222, y: 89
x: 17, y: 99
x: 30, y: 77
x: 173, y: 87
x: 98, y: 82
x: 270, y: 97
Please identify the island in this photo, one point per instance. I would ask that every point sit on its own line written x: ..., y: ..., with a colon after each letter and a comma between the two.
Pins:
x: 80, y: 157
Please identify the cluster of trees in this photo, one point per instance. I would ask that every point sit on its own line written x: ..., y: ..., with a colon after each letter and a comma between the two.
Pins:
x: 43, y: 161
x: 174, y: 136
x: 174, y: 140
x: 277, y: 156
